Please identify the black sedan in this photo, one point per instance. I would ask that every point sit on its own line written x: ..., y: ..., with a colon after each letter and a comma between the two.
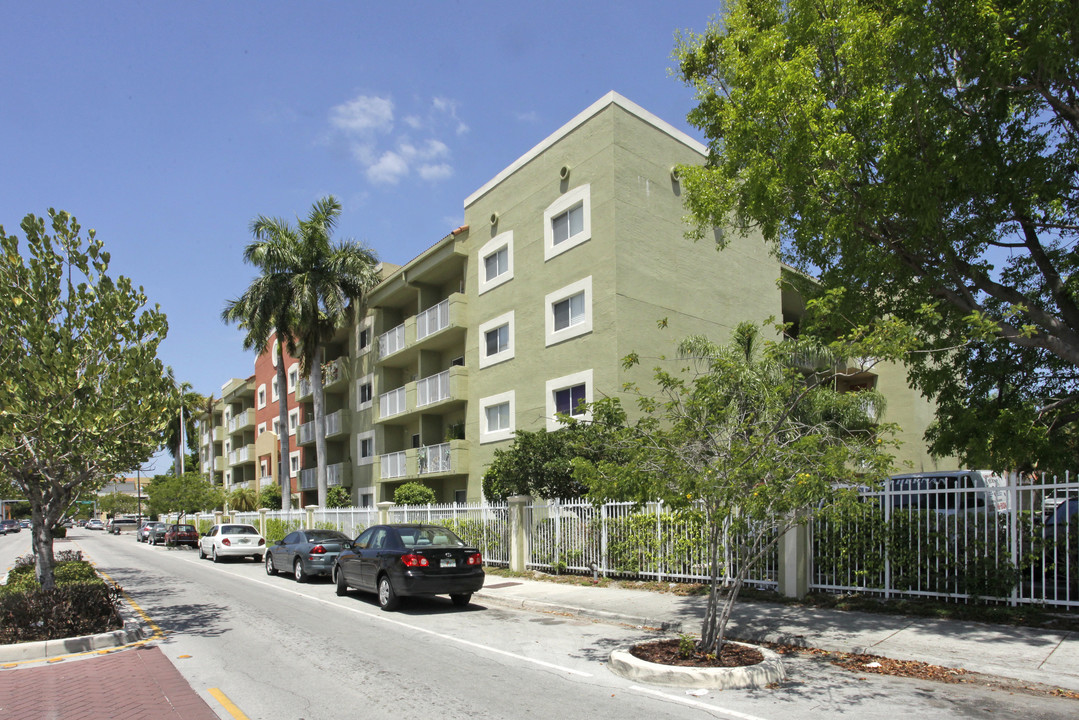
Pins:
x: 306, y: 553
x: 395, y: 561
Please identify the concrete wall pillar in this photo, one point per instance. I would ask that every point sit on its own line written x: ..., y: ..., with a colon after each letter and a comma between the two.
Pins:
x: 383, y: 512
x: 262, y: 521
x: 520, y: 532
x: 794, y: 559
x: 310, y: 510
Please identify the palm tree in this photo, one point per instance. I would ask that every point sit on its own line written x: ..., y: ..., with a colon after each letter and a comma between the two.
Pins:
x: 181, y: 427
x: 264, y: 311
x: 307, y: 287
x: 331, y: 282
x: 208, y: 407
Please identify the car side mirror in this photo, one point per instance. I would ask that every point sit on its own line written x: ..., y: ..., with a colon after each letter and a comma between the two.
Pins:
x: 347, y: 545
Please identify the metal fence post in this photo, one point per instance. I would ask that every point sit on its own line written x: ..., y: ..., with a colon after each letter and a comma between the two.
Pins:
x: 519, y: 532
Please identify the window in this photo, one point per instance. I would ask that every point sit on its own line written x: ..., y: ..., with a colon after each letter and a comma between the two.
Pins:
x: 364, y: 392
x: 460, y: 496
x: 567, y: 222
x: 569, y: 311
x: 497, y: 417
x: 495, y: 261
x: 365, y: 446
x: 294, y: 463
x: 260, y: 429
x: 293, y: 420
x: 293, y: 378
x: 568, y: 400
x: 496, y: 340
x: 565, y: 395
x: 276, y: 426
x: 363, y: 340
x: 273, y: 390
x: 262, y: 396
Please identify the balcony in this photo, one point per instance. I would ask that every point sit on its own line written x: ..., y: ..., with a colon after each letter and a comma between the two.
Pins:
x: 219, y: 464
x: 337, y: 475
x: 448, y: 458
x: 432, y: 394
x: 334, y: 378
x: 242, y: 421
x: 242, y: 455
x: 440, y: 327
x: 337, y: 423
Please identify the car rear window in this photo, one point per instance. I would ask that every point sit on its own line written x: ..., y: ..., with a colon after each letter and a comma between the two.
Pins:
x: 186, y: 528
x: 239, y: 530
x: 424, y: 537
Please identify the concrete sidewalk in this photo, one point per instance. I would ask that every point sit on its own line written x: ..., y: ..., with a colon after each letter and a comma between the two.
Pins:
x: 1050, y: 657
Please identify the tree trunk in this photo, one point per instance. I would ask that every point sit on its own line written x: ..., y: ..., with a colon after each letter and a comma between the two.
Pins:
x: 320, y: 425
x: 710, y: 632
x: 284, y: 468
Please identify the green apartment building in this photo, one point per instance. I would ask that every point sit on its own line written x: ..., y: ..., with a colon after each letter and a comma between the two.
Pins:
x: 567, y: 261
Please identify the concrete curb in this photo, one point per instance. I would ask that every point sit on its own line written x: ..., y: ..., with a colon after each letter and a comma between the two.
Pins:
x: 764, y: 673
x: 589, y: 613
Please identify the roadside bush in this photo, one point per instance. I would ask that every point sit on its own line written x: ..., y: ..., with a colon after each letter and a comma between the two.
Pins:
x: 413, y: 493
x: 70, y: 610
x: 277, y: 529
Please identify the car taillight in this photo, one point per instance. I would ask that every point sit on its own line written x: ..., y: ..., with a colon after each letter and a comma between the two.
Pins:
x: 262, y: 541
x: 318, y: 549
x: 226, y: 541
x: 475, y: 559
x: 413, y: 560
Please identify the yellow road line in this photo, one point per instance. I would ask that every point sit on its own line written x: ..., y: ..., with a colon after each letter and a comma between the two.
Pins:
x: 228, y: 704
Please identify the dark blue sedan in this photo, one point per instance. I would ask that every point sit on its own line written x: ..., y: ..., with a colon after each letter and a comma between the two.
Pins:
x: 396, y: 561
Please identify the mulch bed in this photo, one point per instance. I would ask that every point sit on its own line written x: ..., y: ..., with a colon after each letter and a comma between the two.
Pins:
x: 666, y: 652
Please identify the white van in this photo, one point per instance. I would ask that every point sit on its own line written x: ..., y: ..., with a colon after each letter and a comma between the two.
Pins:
x: 950, y: 491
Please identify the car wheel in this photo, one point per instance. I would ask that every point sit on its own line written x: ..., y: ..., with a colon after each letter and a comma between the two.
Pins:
x: 216, y: 558
x: 387, y: 598
x: 462, y: 599
x: 298, y: 572
x: 270, y: 569
x: 339, y: 580
x: 257, y: 558
x: 202, y: 553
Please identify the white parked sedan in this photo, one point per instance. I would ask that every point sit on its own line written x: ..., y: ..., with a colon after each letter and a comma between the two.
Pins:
x: 232, y: 540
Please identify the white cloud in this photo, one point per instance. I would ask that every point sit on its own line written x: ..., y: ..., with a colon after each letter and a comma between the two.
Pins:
x: 368, y: 124
x: 363, y: 114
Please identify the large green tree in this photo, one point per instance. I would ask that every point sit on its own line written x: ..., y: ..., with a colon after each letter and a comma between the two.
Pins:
x: 923, y: 157
x: 187, y: 493
x: 181, y: 430
x: 326, y: 284
x: 753, y: 435
x: 83, y: 396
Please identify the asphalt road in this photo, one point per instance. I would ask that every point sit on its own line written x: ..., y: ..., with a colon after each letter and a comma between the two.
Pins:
x: 278, y: 649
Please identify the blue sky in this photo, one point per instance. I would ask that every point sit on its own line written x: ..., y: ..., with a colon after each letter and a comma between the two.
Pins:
x: 168, y: 126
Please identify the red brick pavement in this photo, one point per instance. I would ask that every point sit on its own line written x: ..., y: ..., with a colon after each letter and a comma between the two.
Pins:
x: 136, y: 684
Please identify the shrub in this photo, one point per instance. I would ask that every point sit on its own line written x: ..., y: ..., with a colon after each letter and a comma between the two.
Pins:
x: 70, y: 610
x: 413, y: 493
x: 277, y: 529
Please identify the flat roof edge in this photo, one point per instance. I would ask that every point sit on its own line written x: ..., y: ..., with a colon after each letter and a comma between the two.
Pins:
x: 611, y: 98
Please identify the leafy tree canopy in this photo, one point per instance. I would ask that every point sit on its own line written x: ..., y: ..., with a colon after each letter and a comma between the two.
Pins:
x: 187, y: 493
x: 83, y: 394
x: 751, y: 434
x: 540, y: 463
x: 270, y: 496
x: 117, y: 503
x: 921, y: 156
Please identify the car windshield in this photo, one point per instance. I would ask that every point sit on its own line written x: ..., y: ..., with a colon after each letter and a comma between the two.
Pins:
x: 414, y: 537
x: 239, y: 530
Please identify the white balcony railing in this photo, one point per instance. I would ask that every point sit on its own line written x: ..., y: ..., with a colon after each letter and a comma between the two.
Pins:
x: 244, y: 454
x: 243, y: 419
x: 391, y: 341
x: 392, y: 465
x: 391, y: 403
x: 434, y: 459
x: 433, y: 388
x: 433, y: 319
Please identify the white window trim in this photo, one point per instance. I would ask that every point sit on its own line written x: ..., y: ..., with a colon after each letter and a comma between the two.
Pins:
x: 273, y: 352
x: 260, y: 396
x: 293, y: 425
x: 561, y: 383
x: 273, y: 390
x: 497, y: 435
x: 289, y: 377
x: 494, y: 245
x: 365, y: 325
x: 360, y: 459
x: 366, y: 379
x: 294, y: 455
x: 581, y: 328
x: 275, y: 426
x: 260, y: 429
x: 581, y: 195
x: 496, y: 322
